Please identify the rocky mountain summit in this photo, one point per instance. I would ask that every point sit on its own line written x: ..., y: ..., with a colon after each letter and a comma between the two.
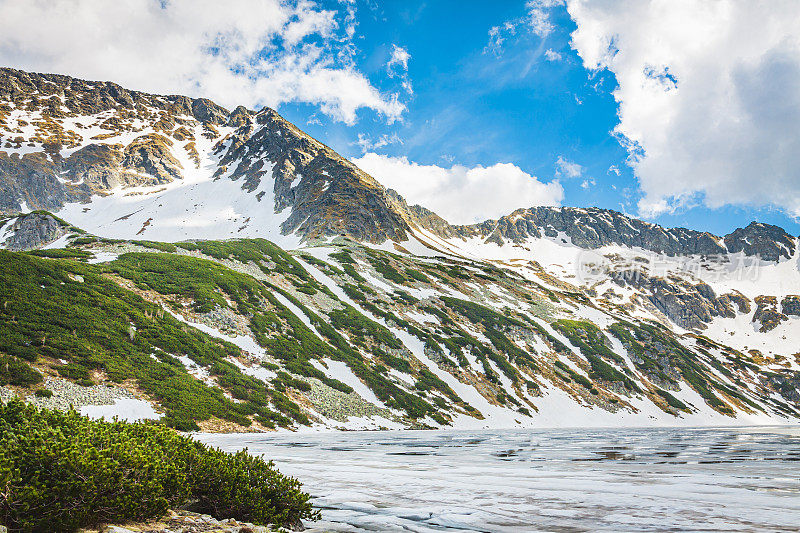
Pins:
x: 65, y: 140
x: 769, y: 242
x: 593, y: 228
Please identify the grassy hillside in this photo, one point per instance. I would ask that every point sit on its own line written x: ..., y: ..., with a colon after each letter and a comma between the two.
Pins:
x: 412, y: 332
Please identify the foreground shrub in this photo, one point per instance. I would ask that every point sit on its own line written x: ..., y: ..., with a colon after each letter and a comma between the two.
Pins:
x: 61, y: 471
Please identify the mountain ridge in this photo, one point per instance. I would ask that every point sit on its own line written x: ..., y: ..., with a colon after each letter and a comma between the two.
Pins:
x: 351, y: 202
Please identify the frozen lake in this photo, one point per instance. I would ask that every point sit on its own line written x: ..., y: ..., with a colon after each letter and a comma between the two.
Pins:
x: 565, y: 480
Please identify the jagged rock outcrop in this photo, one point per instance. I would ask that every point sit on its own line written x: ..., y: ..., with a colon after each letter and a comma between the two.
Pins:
x: 790, y: 305
x: 767, y: 317
x: 99, y: 167
x: 151, y: 155
x: 327, y: 194
x: 738, y: 299
x: 420, y: 216
x: 769, y: 242
x: 31, y: 180
x: 786, y: 384
x: 690, y: 305
x: 32, y: 231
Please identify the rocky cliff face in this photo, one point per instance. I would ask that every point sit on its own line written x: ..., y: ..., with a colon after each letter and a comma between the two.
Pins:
x: 31, y: 231
x: 689, y: 304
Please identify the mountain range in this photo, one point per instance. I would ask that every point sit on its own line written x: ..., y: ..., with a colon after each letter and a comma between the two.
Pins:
x: 230, y: 272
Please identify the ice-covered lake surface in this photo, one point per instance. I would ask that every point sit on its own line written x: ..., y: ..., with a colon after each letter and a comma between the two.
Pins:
x: 744, y: 479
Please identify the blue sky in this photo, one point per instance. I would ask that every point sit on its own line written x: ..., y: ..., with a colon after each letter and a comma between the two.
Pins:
x: 676, y: 112
x: 475, y: 105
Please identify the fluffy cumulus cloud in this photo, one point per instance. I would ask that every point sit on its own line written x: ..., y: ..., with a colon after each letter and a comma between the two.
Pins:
x: 255, y: 53
x: 709, y: 96
x: 460, y: 194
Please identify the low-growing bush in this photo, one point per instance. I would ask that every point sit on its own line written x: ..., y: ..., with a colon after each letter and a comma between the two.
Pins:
x: 161, y: 246
x: 16, y: 372
x: 61, y: 471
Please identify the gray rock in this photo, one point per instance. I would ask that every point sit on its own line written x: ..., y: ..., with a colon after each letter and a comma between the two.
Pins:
x: 34, y: 230
x: 790, y: 305
x: 151, y: 155
x: 690, y: 305
x: 767, y: 316
x: 765, y: 240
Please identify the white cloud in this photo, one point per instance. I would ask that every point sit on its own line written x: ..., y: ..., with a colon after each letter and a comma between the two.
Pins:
x: 498, y: 35
x: 400, y: 57
x: 366, y: 143
x: 460, y: 194
x: 709, y: 96
x: 552, y: 55
x: 234, y: 52
x: 398, y: 61
x: 585, y: 184
x: 567, y: 169
x: 536, y: 20
x: 539, y: 15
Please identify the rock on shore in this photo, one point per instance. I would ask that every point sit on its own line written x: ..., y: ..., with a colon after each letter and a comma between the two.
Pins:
x: 185, y: 522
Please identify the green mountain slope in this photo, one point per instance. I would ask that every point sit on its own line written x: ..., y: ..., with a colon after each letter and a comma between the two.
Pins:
x: 241, y: 335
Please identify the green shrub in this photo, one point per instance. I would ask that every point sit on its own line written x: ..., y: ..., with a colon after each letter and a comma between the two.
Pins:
x: 591, y: 342
x: 60, y: 472
x: 343, y: 257
x: 62, y: 253
x: 160, y: 246
x: 671, y: 400
x: 43, y: 393
x: 417, y: 275
x: 385, y: 269
x: 351, y: 271
x: 256, y: 250
x: 83, y: 240
x: 360, y: 326
x: 16, y: 372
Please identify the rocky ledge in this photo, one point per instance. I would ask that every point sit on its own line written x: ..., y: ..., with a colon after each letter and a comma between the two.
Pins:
x: 185, y: 522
